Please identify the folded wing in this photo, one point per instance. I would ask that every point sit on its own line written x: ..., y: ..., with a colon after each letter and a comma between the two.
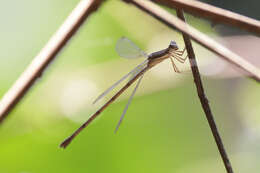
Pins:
x: 140, y: 66
x: 128, y: 103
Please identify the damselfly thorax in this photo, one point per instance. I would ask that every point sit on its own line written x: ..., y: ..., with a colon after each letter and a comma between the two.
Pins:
x: 157, y: 57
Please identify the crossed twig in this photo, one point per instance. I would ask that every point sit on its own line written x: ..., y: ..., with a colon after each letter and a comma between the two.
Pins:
x: 86, y: 7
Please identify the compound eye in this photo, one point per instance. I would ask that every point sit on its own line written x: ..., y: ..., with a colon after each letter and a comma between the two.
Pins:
x: 173, y: 44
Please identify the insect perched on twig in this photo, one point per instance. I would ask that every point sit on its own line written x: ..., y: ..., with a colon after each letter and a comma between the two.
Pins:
x: 127, y: 49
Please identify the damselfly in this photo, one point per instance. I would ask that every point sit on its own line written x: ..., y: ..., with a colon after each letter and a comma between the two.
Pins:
x: 127, y: 49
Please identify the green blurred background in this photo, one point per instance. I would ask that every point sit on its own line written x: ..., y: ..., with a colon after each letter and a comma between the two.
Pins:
x: 165, y: 129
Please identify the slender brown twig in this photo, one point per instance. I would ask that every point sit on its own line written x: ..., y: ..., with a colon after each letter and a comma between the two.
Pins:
x: 66, y: 142
x: 46, y: 55
x: 214, y: 13
x: 203, y: 98
x: 199, y: 37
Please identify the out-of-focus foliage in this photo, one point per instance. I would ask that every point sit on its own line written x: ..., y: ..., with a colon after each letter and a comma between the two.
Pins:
x: 164, y: 130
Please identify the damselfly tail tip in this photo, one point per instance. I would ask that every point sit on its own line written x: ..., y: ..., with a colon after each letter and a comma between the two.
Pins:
x: 65, y: 143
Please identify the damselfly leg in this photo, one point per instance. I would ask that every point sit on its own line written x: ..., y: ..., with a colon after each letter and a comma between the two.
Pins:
x: 174, y: 66
x: 178, y: 56
x: 180, y: 52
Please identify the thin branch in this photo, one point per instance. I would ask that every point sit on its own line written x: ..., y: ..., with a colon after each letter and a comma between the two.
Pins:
x: 46, y: 55
x: 203, y: 99
x: 199, y: 37
x: 214, y: 13
x: 66, y: 142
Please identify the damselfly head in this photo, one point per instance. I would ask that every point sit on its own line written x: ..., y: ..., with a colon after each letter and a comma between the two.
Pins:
x: 173, y: 45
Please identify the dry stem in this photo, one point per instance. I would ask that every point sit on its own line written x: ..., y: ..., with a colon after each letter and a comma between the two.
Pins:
x: 199, y: 37
x: 203, y: 98
x: 46, y: 55
x: 214, y: 13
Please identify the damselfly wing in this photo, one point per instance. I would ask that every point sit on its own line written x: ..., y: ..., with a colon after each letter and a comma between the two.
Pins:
x: 127, y: 49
